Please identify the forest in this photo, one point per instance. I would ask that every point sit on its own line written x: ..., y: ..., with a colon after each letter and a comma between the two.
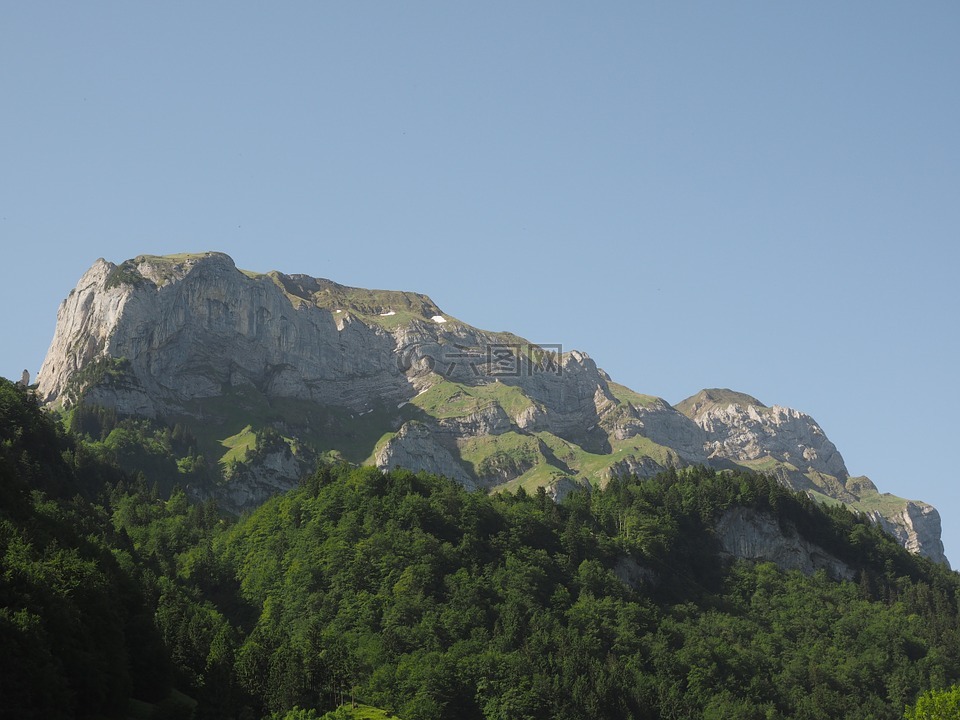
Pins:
x: 122, y: 596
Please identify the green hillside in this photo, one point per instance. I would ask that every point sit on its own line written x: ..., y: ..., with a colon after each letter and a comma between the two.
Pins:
x: 419, y: 600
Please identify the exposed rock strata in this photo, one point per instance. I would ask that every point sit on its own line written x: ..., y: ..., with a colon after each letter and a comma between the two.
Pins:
x: 417, y: 448
x: 917, y: 527
x: 751, y: 535
x: 744, y: 429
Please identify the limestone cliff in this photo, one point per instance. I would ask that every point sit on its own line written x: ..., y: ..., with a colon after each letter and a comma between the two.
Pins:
x: 388, y: 378
x: 193, y: 328
x: 416, y: 447
x: 916, y: 526
x: 749, y: 534
x: 742, y: 429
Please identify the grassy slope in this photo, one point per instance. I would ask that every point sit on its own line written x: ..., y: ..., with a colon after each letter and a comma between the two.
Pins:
x: 239, y: 445
x: 385, y: 308
x: 542, y: 457
x: 562, y: 458
x: 887, y: 504
x: 626, y: 395
x: 447, y: 399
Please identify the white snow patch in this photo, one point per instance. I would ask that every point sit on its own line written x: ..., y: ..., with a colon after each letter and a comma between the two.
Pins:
x: 439, y: 319
x: 388, y: 313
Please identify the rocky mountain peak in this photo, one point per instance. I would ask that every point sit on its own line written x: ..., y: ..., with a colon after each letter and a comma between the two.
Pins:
x: 739, y: 427
x: 713, y: 398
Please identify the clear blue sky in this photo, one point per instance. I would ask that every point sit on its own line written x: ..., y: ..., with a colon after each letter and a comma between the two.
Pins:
x: 761, y: 196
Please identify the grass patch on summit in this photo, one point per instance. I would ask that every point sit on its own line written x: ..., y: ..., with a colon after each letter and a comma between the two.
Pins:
x: 884, y: 503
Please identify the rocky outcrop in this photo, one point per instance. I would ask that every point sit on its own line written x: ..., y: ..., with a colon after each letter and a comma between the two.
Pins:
x: 559, y: 488
x: 253, y: 484
x: 790, y: 445
x: 665, y: 425
x: 416, y: 447
x: 573, y: 398
x: 747, y: 534
x: 741, y: 428
x: 641, y: 466
x: 490, y: 420
x: 169, y: 331
x: 916, y: 527
x: 633, y: 574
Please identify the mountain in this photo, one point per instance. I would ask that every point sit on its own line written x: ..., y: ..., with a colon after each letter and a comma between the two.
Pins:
x: 267, y: 373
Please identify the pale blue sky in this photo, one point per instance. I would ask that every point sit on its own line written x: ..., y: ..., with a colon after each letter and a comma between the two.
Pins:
x: 762, y: 196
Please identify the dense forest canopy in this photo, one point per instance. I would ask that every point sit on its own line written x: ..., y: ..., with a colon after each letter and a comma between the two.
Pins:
x: 121, y: 597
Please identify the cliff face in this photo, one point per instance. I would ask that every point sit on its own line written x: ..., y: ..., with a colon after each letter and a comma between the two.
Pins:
x: 916, y: 526
x: 742, y: 429
x: 753, y: 535
x: 192, y: 329
x: 387, y: 378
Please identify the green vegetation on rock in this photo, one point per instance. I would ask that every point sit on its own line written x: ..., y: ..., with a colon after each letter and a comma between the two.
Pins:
x: 505, y: 455
x: 124, y: 274
x: 102, y: 370
x: 626, y: 395
x: 239, y: 446
x: 448, y: 399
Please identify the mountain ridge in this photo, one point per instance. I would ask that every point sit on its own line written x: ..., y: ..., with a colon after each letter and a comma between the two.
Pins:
x: 388, y: 378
